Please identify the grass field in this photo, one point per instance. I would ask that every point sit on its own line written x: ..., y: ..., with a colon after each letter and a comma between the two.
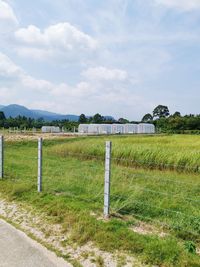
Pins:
x: 155, y: 186
x: 177, y: 152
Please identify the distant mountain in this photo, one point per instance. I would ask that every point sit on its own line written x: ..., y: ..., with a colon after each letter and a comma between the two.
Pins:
x: 49, y: 116
x: 17, y: 110
x: 44, y: 113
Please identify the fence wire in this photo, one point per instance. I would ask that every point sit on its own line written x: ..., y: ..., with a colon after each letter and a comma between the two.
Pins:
x: 80, y: 177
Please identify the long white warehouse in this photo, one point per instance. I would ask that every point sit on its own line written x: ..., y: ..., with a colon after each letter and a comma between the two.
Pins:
x: 129, y: 128
x: 50, y: 129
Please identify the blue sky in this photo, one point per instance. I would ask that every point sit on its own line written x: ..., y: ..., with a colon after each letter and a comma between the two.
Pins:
x: 115, y: 57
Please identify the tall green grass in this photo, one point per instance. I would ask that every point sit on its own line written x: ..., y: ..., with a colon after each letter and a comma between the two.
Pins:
x: 175, y: 152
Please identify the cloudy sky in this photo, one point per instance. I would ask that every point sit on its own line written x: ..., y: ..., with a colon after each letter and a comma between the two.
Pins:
x: 115, y: 57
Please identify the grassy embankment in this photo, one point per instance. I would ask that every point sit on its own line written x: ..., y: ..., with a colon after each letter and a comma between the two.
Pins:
x: 73, y: 190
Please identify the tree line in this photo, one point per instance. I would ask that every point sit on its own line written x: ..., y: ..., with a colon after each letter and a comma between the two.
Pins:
x: 98, y: 118
x: 172, y: 123
x: 160, y: 117
x: 22, y: 122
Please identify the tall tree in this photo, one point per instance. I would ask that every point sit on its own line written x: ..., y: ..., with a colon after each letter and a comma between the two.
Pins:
x: 82, y: 118
x: 97, y: 118
x: 2, y: 115
x: 161, y: 112
x: 147, y: 117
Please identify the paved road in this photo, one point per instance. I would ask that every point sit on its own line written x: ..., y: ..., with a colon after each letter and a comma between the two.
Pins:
x: 18, y: 250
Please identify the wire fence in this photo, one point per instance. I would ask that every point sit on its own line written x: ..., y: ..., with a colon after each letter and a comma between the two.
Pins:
x: 172, y: 203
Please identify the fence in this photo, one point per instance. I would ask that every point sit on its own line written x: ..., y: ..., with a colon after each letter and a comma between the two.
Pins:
x: 167, y: 201
x: 40, y: 170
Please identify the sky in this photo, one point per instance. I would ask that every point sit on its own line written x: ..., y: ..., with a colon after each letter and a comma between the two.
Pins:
x: 115, y: 57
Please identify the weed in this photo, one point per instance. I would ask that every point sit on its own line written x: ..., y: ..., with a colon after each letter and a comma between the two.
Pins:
x: 99, y: 261
x: 190, y: 247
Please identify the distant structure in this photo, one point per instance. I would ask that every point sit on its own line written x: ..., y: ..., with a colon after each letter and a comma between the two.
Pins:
x: 50, y: 129
x: 129, y: 128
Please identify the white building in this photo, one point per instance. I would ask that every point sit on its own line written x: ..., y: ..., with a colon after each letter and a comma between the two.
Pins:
x: 146, y: 128
x: 117, y: 128
x: 93, y: 128
x: 83, y: 128
x: 105, y: 128
x: 129, y: 128
x: 50, y: 129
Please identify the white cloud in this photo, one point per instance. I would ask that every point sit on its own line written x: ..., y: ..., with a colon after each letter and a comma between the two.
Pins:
x: 30, y: 35
x: 8, y: 20
x: 80, y: 90
x: 101, y: 73
x: 19, y: 80
x: 61, y: 38
x: 181, y: 4
x: 35, y: 84
x: 7, y: 67
x: 84, y: 96
x: 9, y: 70
x: 35, y: 53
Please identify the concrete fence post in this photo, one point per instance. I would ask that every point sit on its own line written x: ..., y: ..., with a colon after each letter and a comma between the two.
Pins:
x: 107, y: 179
x: 39, y: 164
x: 1, y: 157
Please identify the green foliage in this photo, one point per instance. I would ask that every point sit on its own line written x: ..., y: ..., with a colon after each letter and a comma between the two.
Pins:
x: 97, y: 118
x: 29, y: 123
x: 190, y: 247
x: 19, y: 189
x: 165, y: 253
x: 178, y: 124
x: 174, y: 123
x: 176, y: 114
x: 82, y: 118
x: 2, y: 119
x: 161, y: 112
x: 2, y: 116
x: 147, y: 118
